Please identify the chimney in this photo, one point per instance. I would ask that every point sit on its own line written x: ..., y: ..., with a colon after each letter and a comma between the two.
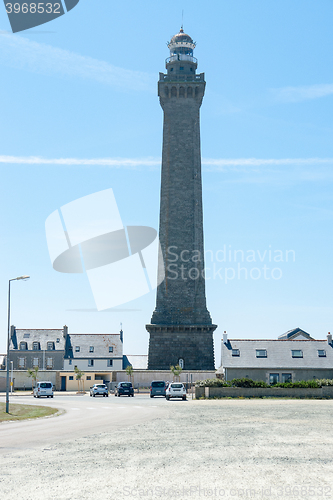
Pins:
x: 329, y: 338
x: 65, y: 331
x: 225, y: 338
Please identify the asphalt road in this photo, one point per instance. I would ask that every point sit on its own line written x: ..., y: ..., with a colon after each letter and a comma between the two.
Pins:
x: 81, y: 416
x: 230, y: 449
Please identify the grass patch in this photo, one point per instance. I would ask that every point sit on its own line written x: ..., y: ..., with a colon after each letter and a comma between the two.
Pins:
x: 22, y: 412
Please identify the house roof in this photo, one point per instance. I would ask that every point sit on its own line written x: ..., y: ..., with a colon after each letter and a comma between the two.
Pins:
x: 99, y: 341
x: 138, y: 361
x: 42, y: 336
x: 279, y: 354
x: 295, y: 333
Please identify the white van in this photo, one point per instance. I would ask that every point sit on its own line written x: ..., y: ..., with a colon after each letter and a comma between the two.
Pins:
x: 43, y: 389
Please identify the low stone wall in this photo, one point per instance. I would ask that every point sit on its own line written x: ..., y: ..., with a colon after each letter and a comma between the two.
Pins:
x: 2, y: 383
x: 258, y: 392
x: 143, y: 378
x: 23, y: 382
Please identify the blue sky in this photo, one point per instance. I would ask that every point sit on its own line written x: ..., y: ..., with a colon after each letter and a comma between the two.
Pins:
x: 84, y: 87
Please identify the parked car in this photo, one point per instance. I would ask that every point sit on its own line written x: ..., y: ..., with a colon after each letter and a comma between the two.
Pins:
x: 99, y: 389
x: 157, y: 388
x: 176, y: 390
x: 124, y: 389
x: 43, y: 389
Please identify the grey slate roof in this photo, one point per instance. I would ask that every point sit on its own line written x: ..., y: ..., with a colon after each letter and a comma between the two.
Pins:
x: 100, y: 342
x: 38, y: 335
x: 278, y: 354
x: 296, y: 333
x: 138, y: 361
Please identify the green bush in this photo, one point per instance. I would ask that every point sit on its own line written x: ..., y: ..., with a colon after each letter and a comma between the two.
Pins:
x: 211, y: 382
x: 324, y: 382
x: 301, y: 384
x: 247, y: 382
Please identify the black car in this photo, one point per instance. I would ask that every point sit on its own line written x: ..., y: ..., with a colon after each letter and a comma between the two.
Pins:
x: 124, y: 389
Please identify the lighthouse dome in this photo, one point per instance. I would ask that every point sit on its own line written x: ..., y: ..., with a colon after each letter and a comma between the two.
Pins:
x: 181, y: 37
x: 181, y: 43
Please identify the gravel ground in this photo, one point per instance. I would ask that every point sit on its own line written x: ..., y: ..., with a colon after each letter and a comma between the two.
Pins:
x: 264, y: 449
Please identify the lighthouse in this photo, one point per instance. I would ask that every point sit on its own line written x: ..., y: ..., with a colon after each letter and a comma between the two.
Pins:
x: 181, y: 328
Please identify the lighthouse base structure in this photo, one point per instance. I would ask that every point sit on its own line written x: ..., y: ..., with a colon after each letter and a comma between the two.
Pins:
x: 189, y: 345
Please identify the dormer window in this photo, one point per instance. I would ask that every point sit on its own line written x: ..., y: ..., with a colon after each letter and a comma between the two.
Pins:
x: 36, y: 346
x: 23, y: 346
x: 261, y: 353
x: 296, y: 353
x: 235, y: 352
x: 50, y: 346
x: 321, y: 353
x: 77, y: 348
x: 110, y: 348
x: 91, y: 348
x: 58, y: 340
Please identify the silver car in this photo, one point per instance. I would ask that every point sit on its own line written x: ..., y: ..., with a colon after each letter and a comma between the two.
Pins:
x: 43, y: 389
x: 99, y: 389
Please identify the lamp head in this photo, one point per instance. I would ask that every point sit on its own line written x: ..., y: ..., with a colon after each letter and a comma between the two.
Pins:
x: 23, y: 277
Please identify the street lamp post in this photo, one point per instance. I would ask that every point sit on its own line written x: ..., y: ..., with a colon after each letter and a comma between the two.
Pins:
x: 8, y: 340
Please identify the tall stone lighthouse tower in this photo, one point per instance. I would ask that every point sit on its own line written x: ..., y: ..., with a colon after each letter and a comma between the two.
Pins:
x: 181, y: 329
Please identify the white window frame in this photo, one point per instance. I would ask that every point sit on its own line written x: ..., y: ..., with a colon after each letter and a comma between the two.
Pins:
x: 274, y: 374
x: 261, y: 350
x: 90, y: 362
x: 20, y: 365
x: 286, y: 381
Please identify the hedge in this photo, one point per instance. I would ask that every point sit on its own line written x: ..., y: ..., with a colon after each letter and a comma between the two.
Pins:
x: 249, y: 383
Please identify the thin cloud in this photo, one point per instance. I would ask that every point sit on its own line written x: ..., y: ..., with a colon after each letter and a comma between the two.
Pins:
x: 298, y: 94
x: 22, y: 53
x: 223, y: 163
x: 107, y: 162
x: 210, y: 164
